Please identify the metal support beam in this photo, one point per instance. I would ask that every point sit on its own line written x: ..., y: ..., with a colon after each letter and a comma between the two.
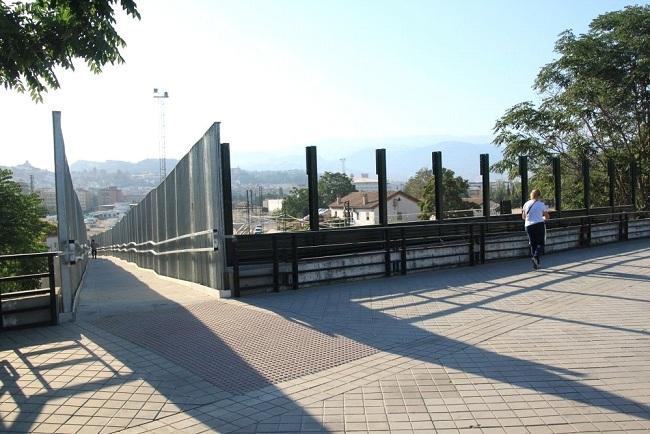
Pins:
x: 586, y: 184
x: 485, y: 173
x: 380, y: 162
x: 557, y: 182
x: 611, y: 175
x: 436, y: 160
x: 226, y: 188
x: 633, y: 182
x: 523, y: 173
x: 312, y: 185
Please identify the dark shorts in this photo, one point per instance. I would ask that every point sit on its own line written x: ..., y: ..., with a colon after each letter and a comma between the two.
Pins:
x: 536, y: 238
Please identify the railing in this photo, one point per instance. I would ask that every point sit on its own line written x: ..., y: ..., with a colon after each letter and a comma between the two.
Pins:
x: 273, y: 261
x: 18, y: 295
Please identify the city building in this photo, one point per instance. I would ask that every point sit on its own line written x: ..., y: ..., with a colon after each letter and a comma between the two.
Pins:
x: 48, y: 196
x: 86, y: 199
x: 271, y: 205
x: 109, y: 195
x: 362, y: 207
x: 364, y: 183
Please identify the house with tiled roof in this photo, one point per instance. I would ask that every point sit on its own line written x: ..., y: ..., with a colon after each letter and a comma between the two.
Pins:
x: 362, y: 207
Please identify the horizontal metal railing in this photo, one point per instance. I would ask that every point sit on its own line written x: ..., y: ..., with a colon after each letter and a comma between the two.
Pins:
x: 13, y: 295
x: 473, y: 235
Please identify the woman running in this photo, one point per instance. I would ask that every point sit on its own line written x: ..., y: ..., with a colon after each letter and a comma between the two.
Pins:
x: 535, y: 212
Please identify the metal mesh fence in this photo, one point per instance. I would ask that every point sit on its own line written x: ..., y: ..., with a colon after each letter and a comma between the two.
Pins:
x: 71, y: 228
x: 177, y: 229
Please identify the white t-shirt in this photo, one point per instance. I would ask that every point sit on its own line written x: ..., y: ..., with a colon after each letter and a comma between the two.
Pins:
x: 534, y: 211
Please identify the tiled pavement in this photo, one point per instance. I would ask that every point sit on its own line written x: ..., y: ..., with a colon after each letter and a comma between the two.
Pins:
x: 493, y: 348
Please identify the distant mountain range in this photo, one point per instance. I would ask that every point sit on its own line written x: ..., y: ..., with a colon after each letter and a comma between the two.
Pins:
x: 403, y: 158
x: 150, y: 165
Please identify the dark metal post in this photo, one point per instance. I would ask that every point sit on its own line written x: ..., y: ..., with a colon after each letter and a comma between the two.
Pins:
x: 235, y: 269
x: 472, y: 258
x: 523, y: 173
x: 482, y: 241
x: 387, y: 259
x: 403, y: 252
x: 633, y: 180
x: 276, y: 265
x: 53, y: 307
x: 611, y: 174
x: 294, y: 262
x: 380, y: 161
x: 586, y: 184
x: 436, y: 160
x: 485, y: 173
x: 226, y: 188
x: 557, y: 181
x: 312, y: 185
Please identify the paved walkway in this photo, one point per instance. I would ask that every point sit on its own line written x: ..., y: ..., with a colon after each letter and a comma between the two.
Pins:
x: 493, y: 348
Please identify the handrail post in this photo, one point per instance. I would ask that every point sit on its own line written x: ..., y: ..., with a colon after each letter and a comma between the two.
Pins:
x: 482, y: 242
x: 403, y: 252
x: 53, y: 306
x: 294, y: 262
x: 387, y: 258
x: 235, y: 269
x: 472, y: 258
x: 485, y: 174
x: 436, y: 162
x: 380, y: 162
x: 586, y: 185
x: 276, y: 266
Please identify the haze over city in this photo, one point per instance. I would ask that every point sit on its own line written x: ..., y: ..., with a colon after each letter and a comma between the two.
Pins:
x: 281, y: 75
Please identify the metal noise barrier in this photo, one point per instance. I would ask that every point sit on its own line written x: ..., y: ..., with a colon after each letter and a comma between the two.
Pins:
x: 71, y: 227
x: 178, y: 228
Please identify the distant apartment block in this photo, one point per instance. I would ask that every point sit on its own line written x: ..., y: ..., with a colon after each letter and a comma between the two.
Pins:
x: 109, y: 195
x: 87, y: 199
x: 48, y: 196
x: 364, y: 183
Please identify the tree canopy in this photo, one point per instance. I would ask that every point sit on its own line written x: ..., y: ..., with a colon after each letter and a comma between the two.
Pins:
x: 41, y: 35
x: 422, y: 186
x: 331, y: 185
x: 22, y: 229
x: 296, y: 204
x: 595, y: 104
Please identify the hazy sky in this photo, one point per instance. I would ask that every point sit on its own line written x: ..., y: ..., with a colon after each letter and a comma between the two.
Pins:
x: 285, y: 74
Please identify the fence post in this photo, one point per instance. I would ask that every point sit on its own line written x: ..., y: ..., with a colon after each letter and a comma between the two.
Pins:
x: 482, y: 241
x: 485, y: 173
x: 586, y: 184
x: 380, y: 162
x: 523, y: 173
x: 436, y: 160
x: 611, y: 174
x: 235, y: 269
x: 557, y: 182
x: 226, y: 188
x: 276, y: 266
x: 626, y: 226
x: 472, y: 258
x: 312, y: 185
x: 403, y: 252
x: 387, y: 259
x: 53, y: 307
x: 633, y: 176
x: 294, y: 262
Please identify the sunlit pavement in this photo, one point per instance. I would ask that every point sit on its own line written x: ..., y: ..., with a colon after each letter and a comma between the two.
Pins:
x: 492, y: 348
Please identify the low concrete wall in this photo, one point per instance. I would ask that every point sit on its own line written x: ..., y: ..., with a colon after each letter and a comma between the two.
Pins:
x: 26, y: 318
x: 371, y: 264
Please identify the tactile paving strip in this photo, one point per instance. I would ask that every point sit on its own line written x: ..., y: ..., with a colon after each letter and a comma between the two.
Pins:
x: 235, y: 348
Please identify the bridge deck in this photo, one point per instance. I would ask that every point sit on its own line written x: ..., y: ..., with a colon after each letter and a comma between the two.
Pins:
x: 494, y: 348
